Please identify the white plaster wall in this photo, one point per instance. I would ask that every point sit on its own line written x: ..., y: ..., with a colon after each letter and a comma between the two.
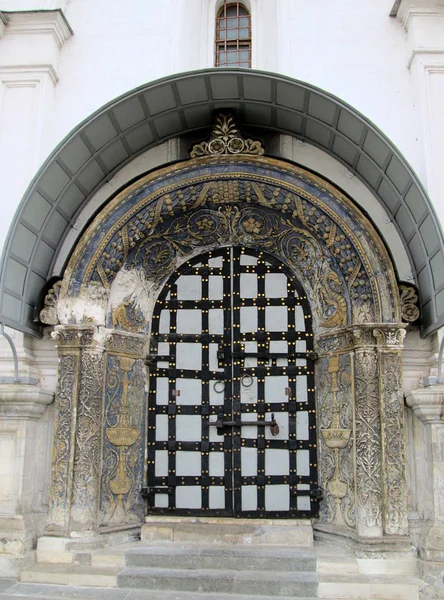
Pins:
x: 358, y: 53
x: 354, y: 51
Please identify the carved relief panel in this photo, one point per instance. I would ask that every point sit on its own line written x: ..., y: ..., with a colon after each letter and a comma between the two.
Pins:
x: 336, y: 438
x: 124, y: 434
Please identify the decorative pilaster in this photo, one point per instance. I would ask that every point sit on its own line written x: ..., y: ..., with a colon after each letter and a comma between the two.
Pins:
x: 394, y: 478
x: 428, y: 406
x: 69, y: 341
x: 124, y: 432
x: 22, y: 407
x: 423, y: 22
x: 336, y: 444
x: 88, y: 436
x: 31, y: 44
x: 367, y: 436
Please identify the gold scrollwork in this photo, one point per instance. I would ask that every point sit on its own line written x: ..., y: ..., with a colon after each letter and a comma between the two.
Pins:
x: 409, y: 303
x: 336, y: 438
x: 226, y: 139
x: 122, y: 436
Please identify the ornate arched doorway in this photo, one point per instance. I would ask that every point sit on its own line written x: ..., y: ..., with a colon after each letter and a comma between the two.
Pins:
x: 107, y: 320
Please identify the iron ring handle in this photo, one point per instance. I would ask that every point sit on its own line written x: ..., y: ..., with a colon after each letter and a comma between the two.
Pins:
x: 217, y: 388
x: 249, y: 378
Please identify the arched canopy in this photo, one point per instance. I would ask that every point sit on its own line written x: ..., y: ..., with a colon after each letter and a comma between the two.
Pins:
x: 180, y: 105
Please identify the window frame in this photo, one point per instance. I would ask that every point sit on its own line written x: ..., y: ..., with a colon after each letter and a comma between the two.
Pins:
x: 237, y: 44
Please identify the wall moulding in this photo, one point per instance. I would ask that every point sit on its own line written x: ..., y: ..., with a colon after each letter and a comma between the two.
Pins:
x: 406, y: 10
x: 19, y: 401
x: 40, y: 22
x: 428, y: 404
x: 27, y: 74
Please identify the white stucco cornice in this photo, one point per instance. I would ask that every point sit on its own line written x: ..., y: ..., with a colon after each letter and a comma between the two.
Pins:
x: 20, y: 401
x: 427, y: 403
x: 423, y: 21
x: 405, y: 10
x: 23, y: 74
x: 41, y: 22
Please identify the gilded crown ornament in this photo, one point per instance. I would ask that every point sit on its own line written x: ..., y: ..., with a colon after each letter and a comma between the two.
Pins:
x: 226, y: 138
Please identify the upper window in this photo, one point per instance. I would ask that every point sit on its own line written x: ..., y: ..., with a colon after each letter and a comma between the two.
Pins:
x: 233, y: 36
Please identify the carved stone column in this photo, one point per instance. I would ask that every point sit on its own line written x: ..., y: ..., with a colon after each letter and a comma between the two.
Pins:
x: 368, y: 447
x: 334, y: 392
x: 75, y: 460
x: 391, y: 401
x: 87, y: 455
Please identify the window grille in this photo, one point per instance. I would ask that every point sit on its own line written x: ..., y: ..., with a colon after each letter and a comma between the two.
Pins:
x: 233, y: 36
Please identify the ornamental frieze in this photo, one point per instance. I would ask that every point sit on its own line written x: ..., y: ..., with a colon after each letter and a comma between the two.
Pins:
x: 175, y: 239
x: 122, y: 343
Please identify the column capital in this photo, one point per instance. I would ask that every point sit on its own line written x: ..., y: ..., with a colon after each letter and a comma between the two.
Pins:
x: 124, y: 342
x: 382, y: 335
x: 81, y: 336
x: 369, y: 335
x: 389, y: 336
x: 428, y: 403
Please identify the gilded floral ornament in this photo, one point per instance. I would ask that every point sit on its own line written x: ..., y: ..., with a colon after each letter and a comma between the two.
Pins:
x: 48, y: 314
x: 226, y: 139
x: 409, y: 303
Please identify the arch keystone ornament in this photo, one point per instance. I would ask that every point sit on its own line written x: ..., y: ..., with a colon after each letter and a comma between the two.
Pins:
x: 226, y: 139
x: 265, y: 218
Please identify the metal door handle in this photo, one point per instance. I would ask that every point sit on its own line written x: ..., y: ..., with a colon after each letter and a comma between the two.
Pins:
x: 220, y: 424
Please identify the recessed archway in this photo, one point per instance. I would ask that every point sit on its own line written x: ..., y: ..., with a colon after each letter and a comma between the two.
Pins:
x: 105, y: 311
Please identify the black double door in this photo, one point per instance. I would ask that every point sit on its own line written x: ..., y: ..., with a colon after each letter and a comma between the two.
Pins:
x: 232, y: 424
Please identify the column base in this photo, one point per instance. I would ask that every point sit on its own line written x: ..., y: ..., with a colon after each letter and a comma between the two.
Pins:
x: 18, y: 535
x: 430, y: 543
x: 77, y: 550
x: 396, y: 547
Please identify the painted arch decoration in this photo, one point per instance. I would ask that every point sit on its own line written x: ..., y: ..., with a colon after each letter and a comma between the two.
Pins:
x: 148, y: 230
x: 181, y: 105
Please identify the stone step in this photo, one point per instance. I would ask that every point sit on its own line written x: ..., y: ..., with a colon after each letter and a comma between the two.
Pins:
x: 246, y: 558
x: 70, y: 575
x: 263, y: 583
x: 24, y: 591
x: 286, y: 532
x: 367, y: 587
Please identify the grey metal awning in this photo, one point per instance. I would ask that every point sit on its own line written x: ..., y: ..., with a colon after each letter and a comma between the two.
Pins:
x: 182, y: 104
